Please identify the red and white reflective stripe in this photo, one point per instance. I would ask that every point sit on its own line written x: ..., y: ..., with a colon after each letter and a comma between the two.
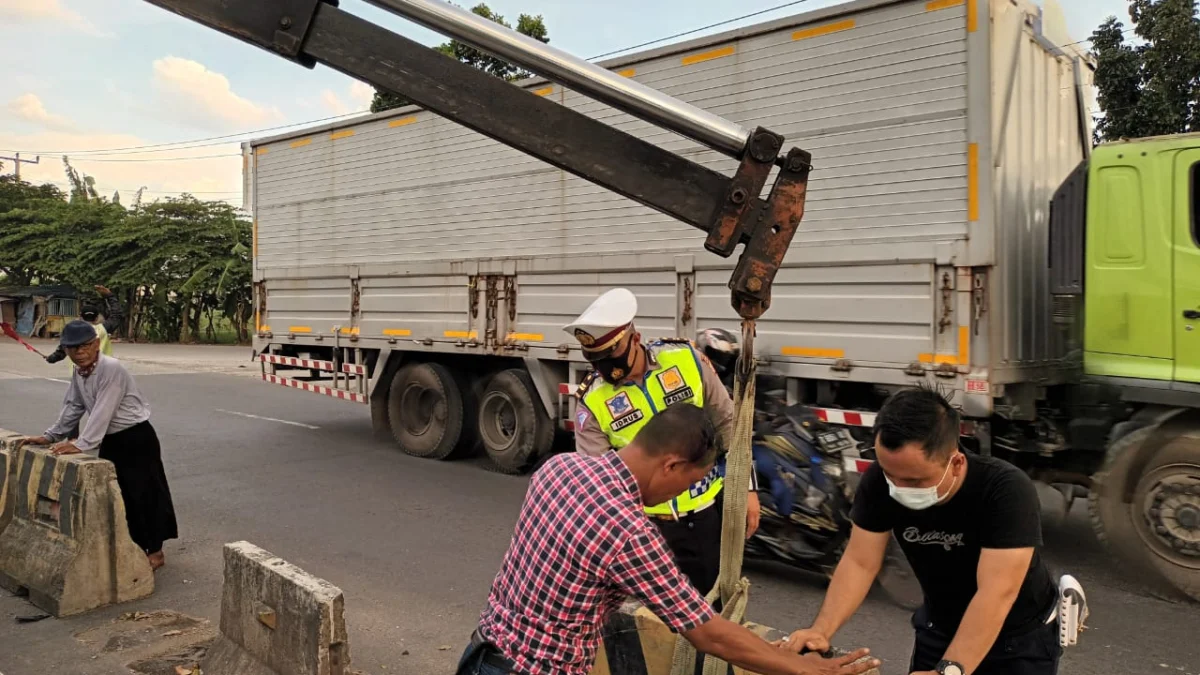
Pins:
x: 313, y: 364
x: 564, y: 389
x: 855, y: 465
x: 846, y: 417
x: 315, y: 388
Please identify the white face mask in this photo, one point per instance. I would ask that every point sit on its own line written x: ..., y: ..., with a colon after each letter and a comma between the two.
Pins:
x: 918, y: 499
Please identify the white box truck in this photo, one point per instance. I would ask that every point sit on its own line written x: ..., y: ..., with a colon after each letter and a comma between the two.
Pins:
x: 939, y: 131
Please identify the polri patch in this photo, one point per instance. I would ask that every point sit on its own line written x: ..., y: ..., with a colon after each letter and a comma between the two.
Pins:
x: 671, y: 380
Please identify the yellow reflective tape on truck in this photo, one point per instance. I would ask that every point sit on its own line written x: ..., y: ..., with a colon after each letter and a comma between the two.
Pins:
x: 709, y: 55
x: 814, y: 352
x: 823, y: 30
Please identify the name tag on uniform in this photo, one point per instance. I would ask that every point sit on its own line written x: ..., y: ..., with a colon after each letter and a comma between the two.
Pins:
x: 622, y: 411
x: 684, y: 394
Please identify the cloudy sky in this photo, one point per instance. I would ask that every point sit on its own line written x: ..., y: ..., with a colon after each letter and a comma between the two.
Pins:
x: 85, y: 76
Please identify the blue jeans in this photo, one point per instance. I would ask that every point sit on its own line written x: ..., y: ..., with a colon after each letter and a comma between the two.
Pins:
x: 472, y: 663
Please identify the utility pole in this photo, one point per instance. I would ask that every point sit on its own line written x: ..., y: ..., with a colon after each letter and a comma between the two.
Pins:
x: 17, y: 163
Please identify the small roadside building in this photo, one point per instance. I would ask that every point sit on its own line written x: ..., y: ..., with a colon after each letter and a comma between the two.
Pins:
x: 38, y: 311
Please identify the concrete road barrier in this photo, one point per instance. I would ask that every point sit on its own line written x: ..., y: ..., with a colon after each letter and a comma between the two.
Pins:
x: 67, y: 541
x: 637, y: 643
x: 8, y: 439
x: 276, y: 619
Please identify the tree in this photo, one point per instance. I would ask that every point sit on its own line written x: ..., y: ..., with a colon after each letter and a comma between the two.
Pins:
x: 532, y: 26
x: 24, y: 225
x: 173, y: 261
x: 1151, y: 88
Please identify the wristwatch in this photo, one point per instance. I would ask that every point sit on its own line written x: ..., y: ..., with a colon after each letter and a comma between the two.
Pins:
x: 950, y: 668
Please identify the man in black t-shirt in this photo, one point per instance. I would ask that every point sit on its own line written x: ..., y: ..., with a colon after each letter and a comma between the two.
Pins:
x: 970, y: 526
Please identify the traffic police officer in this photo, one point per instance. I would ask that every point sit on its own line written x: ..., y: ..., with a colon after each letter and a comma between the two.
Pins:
x: 632, y: 381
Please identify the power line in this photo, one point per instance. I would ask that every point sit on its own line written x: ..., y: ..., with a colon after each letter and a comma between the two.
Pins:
x: 159, y: 159
x: 189, y: 144
x: 703, y: 28
x: 102, y: 188
x: 1079, y: 42
x: 221, y: 140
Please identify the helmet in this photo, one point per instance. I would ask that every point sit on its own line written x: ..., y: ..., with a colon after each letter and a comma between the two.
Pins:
x: 720, y: 346
x: 89, y: 312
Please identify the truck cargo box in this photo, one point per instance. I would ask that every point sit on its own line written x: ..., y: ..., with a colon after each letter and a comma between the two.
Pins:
x: 939, y: 130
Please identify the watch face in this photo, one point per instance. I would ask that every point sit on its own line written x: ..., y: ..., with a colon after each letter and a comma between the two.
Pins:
x: 952, y: 669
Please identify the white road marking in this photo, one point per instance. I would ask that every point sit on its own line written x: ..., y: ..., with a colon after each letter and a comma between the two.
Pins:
x: 266, y: 419
x: 14, y: 375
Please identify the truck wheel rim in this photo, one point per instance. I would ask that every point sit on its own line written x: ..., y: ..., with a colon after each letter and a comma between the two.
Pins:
x: 498, y: 421
x: 1169, y: 498
x: 418, y: 409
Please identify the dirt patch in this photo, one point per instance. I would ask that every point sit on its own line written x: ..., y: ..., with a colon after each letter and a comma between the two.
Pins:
x: 163, y: 642
x: 136, y: 630
x: 183, y: 662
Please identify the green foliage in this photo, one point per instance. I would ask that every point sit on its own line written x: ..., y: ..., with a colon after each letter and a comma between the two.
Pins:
x: 171, y: 261
x: 533, y: 26
x: 1151, y: 88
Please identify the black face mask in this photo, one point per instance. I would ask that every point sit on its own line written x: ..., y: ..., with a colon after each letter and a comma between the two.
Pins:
x: 614, y: 369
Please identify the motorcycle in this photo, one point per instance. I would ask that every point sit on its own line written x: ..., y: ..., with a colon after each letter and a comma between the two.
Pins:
x: 803, y: 487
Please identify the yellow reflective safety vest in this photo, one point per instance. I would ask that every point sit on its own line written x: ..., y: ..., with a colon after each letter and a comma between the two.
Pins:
x: 105, y: 341
x: 623, y: 410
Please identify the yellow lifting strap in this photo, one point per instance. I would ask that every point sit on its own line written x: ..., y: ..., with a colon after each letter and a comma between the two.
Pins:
x: 732, y: 588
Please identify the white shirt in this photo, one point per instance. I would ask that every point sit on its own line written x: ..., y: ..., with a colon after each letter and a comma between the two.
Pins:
x: 111, y: 399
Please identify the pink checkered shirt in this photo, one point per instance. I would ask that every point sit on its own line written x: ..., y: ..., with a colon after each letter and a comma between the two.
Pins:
x: 582, y: 545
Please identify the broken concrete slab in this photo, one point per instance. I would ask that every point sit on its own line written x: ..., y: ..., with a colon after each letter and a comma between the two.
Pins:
x: 67, y: 542
x: 636, y: 642
x: 277, y: 619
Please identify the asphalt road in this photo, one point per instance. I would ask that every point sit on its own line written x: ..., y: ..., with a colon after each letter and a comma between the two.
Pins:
x: 414, y: 544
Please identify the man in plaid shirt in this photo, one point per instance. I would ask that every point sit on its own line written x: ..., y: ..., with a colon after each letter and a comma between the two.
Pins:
x: 583, y: 544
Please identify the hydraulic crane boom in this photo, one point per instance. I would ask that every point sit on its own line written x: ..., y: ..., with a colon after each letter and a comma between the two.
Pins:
x: 728, y: 208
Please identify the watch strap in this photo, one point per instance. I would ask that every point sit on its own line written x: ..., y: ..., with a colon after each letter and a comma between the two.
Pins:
x: 947, y: 667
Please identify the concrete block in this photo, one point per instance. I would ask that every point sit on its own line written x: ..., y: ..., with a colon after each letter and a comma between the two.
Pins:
x: 67, y: 541
x: 7, y: 474
x: 637, y: 643
x: 276, y: 619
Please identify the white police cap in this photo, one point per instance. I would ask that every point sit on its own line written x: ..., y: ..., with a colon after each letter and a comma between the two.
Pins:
x: 605, y: 321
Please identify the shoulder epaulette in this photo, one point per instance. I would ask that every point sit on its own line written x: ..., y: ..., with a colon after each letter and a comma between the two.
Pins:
x: 585, y: 384
x: 673, y: 341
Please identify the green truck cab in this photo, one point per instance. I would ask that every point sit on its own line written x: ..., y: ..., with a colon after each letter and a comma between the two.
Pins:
x: 1142, y: 298
x: 1125, y: 269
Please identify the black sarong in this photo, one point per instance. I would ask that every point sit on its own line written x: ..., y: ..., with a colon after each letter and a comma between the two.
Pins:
x: 137, y: 456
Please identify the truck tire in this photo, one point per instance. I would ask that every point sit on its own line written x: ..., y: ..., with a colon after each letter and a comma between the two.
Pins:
x: 1166, y: 506
x: 426, y: 411
x: 1115, y: 522
x: 898, y: 581
x: 513, y: 428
